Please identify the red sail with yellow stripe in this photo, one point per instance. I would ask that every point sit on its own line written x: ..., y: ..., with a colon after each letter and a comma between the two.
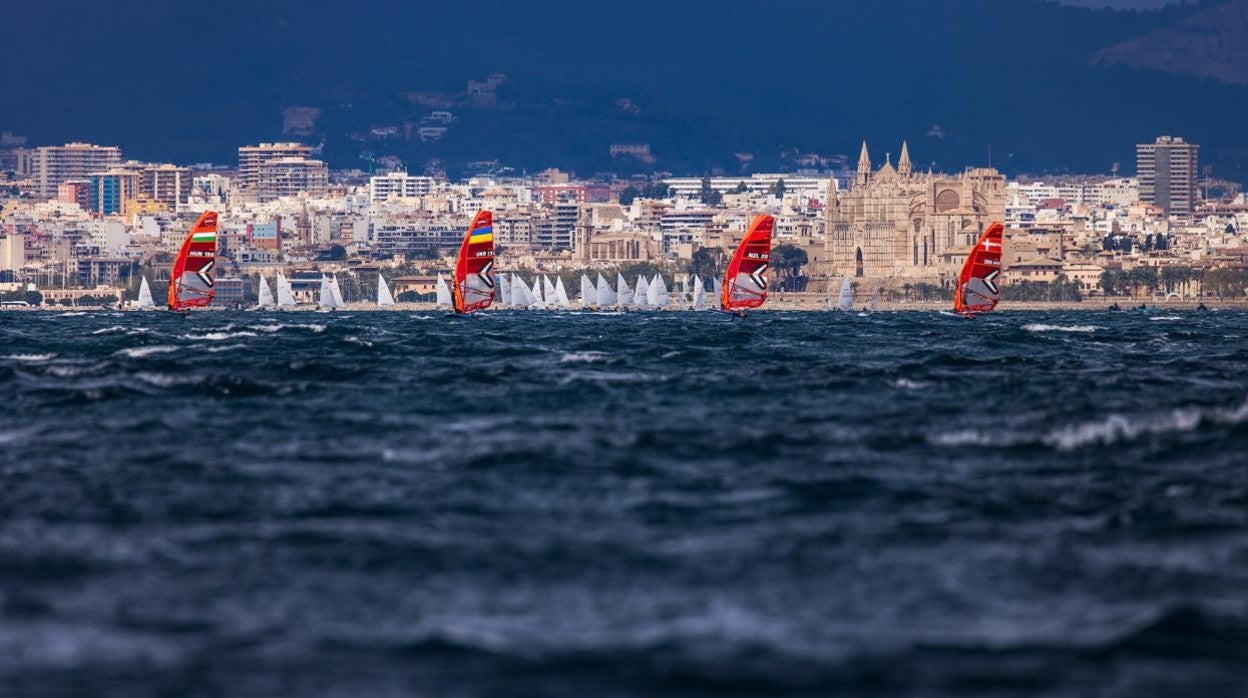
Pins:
x: 979, y: 285
x: 474, y: 270
x: 192, y: 282
x: 745, y: 284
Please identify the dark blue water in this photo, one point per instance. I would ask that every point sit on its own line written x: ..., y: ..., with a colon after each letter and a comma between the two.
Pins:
x: 529, y: 504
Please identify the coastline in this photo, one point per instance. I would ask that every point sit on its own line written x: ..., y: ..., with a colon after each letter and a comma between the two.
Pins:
x: 780, y: 304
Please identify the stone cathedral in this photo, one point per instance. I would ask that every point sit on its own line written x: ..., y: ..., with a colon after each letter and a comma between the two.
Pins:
x: 895, y: 224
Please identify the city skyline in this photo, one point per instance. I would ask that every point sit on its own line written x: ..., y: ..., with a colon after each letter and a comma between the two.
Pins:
x: 374, y: 81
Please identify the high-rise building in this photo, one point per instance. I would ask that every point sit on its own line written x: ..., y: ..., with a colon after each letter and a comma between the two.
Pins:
x: 111, y: 190
x: 290, y: 177
x: 252, y: 157
x: 1167, y: 170
x: 49, y: 166
x: 168, y: 184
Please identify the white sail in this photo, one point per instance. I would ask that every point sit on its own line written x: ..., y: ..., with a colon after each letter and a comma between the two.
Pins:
x: 846, y: 301
x: 326, y: 299
x: 266, y: 295
x: 285, y: 298
x: 333, y: 288
x: 606, y: 296
x: 504, y: 290
x: 145, y: 295
x: 538, y: 299
x: 699, y: 294
x: 548, y: 291
x: 384, y: 297
x: 444, y: 293
x: 519, y: 292
x: 641, y: 295
x: 589, y: 293
x: 625, y: 294
x: 656, y: 292
x: 717, y: 286
x: 875, y: 301
x: 561, y: 295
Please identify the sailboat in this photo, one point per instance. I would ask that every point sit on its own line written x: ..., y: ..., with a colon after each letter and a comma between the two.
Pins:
x: 384, y: 297
x: 538, y: 302
x: 625, y: 295
x: 745, y: 283
x: 874, y: 305
x: 333, y: 288
x: 845, y: 302
x: 444, y: 294
x: 641, y: 296
x: 266, y: 295
x: 145, y: 302
x: 979, y: 284
x: 192, y: 283
x: 326, y: 300
x: 717, y: 287
x: 549, y: 291
x: 589, y: 293
x: 474, y: 268
x: 656, y: 292
x: 519, y: 292
x: 699, y: 294
x: 504, y: 290
x: 285, y: 298
x: 606, y: 295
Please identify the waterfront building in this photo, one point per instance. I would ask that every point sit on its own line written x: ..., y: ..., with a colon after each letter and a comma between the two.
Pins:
x: 896, y: 223
x: 1167, y: 169
x: 50, y: 166
x: 798, y: 187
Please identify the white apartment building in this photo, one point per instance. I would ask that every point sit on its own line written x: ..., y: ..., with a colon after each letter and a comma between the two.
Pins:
x: 50, y: 166
x: 398, y: 185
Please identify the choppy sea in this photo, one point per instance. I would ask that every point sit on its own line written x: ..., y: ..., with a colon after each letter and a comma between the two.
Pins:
x: 666, y: 504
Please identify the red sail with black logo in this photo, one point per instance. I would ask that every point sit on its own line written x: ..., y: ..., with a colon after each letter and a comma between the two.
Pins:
x: 745, y: 284
x: 979, y: 285
x: 474, y: 270
x: 192, y: 282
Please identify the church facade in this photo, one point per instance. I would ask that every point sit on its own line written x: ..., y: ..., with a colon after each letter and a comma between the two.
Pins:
x: 893, y: 223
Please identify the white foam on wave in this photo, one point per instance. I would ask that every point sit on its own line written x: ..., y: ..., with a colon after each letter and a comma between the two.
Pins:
x: 360, y: 341
x: 218, y: 336
x: 71, y: 314
x: 582, y: 357
x: 278, y: 327
x: 1061, y: 328
x: 1165, y: 318
x: 30, y: 358
x: 140, y: 352
x: 1115, y: 428
x: 907, y: 384
x: 164, y: 380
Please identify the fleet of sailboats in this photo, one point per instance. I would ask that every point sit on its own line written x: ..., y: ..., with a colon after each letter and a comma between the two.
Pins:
x: 475, y: 286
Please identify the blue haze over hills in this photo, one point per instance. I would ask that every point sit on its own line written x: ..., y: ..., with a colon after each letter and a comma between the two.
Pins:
x: 190, y: 83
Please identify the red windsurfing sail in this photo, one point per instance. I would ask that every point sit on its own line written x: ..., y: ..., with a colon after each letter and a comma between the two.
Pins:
x: 745, y: 284
x: 979, y: 286
x: 193, y: 280
x: 474, y: 271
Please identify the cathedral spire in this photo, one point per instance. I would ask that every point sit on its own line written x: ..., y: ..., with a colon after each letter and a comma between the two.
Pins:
x: 904, y: 167
x: 864, y: 165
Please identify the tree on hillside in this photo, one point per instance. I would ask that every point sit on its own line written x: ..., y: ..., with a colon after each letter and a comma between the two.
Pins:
x: 741, y: 188
x: 779, y: 189
x: 710, y: 195
x: 706, y: 262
